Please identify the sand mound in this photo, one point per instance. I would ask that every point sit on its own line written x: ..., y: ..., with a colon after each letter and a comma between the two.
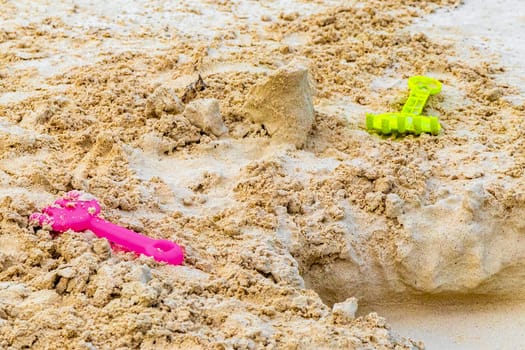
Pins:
x: 282, y: 103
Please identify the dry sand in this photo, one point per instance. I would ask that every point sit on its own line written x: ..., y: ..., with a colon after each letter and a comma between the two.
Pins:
x: 281, y: 216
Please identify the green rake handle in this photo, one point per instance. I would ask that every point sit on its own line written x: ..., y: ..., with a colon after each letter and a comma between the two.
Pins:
x: 420, y: 90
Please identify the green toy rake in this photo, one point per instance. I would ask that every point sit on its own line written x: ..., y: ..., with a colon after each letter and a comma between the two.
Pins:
x: 409, y: 120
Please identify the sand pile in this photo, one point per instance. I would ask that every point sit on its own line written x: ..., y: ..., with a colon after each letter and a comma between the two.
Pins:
x: 283, y: 105
x: 211, y: 136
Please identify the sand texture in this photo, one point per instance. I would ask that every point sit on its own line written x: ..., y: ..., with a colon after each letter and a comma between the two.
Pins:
x: 236, y: 129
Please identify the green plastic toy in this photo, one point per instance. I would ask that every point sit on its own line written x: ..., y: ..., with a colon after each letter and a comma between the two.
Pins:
x: 409, y: 120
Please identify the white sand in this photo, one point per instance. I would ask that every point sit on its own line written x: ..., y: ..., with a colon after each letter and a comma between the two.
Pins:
x: 493, y: 30
x: 475, y: 326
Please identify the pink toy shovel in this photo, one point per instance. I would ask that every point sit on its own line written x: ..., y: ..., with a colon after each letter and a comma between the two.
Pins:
x: 76, y: 212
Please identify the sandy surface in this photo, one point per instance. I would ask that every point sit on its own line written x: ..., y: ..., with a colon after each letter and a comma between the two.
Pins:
x: 464, y: 326
x: 287, y: 208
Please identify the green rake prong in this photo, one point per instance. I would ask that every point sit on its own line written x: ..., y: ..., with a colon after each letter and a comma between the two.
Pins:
x: 401, y: 123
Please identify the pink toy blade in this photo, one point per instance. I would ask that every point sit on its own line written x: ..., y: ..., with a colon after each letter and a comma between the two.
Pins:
x: 76, y: 212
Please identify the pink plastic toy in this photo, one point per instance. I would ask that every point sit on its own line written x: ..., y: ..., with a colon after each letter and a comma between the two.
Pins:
x: 76, y: 212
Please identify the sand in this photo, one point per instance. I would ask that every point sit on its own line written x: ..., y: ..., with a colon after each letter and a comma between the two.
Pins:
x: 180, y: 117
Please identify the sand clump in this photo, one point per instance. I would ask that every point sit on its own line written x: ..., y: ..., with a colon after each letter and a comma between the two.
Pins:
x: 283, y: 104
x: 345, y: 311
x: 163, y: 100
x: 205, y: 114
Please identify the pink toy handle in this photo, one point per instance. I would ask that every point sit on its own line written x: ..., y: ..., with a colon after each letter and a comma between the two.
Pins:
x: 160, y: 249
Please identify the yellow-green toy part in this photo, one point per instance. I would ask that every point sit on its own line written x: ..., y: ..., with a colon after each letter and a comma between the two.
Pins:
x: 401, y: 123
x: 409, y: 119
x: 421, y: 83
x: 420, y: 89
